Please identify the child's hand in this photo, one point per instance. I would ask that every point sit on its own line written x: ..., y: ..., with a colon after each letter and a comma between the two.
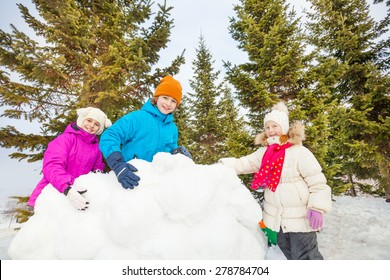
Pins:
x: 181, y: 150
x: 272, y: 236
x: 124, y: 171
x: 126, y: 176
x: 74, y: 193
x: 316, y: 219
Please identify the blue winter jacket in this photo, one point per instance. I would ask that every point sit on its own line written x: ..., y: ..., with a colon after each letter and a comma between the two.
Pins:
x: 140, y: 134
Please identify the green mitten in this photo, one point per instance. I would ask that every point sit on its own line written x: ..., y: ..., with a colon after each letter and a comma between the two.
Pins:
x: 271, y: 235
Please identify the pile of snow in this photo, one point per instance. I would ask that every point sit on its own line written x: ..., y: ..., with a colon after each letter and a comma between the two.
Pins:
x: 180, y: 210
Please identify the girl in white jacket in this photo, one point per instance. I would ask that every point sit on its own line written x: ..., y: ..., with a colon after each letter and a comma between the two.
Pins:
x: 295, y: 191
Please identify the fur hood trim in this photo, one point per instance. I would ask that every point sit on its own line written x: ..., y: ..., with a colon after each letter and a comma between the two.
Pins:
x: 296, y: 135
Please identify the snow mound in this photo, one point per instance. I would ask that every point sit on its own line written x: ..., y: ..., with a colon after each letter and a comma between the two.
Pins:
x: 180, y: 210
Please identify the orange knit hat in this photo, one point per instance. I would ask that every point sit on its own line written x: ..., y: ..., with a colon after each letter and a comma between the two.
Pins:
x: 169, y: 87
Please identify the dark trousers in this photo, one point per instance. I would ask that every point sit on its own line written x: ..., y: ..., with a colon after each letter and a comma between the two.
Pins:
x: 299, y: 245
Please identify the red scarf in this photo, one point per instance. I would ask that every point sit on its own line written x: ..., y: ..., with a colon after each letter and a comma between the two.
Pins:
x: 270, y: 170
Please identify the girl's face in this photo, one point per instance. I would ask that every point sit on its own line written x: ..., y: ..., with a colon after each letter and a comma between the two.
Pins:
x: 90, y: 125
x: 272, y: 129
x: 166, y: 104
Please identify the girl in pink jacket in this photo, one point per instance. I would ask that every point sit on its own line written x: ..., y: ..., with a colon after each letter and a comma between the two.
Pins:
x: 73, y: 153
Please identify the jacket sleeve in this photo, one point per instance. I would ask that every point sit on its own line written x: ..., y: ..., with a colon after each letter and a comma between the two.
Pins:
x: 55, y: 162
x: 119, y: 133
x: 175, y: 138
x: 99, y: 165
x: 311, y: 171
x: 247, y: 164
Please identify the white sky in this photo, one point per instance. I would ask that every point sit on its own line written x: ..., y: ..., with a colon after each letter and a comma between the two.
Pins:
x: 193, y: 18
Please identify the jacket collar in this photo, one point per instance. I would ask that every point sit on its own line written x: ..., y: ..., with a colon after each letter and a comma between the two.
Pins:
x: 296, y: 135
x: 155, y: 112
x: 82, y: 134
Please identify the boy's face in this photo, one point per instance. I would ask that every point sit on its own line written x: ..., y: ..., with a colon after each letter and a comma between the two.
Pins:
x: 166, y: 104
x: 272, y: 129
x: 90, y: 125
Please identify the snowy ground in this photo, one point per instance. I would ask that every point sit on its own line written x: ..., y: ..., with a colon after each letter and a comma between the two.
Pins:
x: 356, y: 229
x: 6, y: 235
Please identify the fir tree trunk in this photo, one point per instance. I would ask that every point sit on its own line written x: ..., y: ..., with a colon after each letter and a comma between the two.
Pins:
x: 385, y: 178
x: 352, y: 187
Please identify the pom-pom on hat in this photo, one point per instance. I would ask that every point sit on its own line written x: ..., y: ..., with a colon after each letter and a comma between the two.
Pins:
x: 93, y: 113
x: 278, y: 114
x: 169, y: 87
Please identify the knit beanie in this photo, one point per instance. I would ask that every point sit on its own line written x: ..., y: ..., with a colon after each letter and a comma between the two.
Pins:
x: 93, y: 113
x: 169, y: 87
x: 279, y: 114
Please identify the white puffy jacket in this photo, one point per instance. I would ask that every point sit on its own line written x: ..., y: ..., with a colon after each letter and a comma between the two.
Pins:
x: 302, y: 185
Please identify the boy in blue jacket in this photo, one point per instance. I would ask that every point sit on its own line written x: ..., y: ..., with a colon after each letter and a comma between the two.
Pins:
x: 142, y: 134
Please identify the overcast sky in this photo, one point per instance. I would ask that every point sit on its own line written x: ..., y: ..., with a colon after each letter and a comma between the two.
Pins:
x: 193, y: 18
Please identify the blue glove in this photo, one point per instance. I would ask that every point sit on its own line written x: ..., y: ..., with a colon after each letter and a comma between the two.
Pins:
x: 181, y: 150
x: 123, y: 170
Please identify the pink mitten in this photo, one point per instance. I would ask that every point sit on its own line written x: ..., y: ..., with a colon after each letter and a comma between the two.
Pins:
x: 316, y: 219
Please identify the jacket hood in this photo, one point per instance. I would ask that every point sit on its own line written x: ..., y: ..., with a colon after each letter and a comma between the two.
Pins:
x: 296, y: 135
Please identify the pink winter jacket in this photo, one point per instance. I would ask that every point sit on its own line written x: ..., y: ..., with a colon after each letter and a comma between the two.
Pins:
x: 71, y: 154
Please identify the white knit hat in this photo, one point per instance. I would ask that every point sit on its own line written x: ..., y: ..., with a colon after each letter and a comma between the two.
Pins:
x: 279, y: 114
x: 93, y: 113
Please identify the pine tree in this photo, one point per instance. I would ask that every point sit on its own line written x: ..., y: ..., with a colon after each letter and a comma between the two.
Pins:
x: 18, y: 209
x: 278, y: 68
x: 344, y: 36
x: 383, y: 47
x: 238, y: 141
x: 182, y: 120
x: 207, y: 134
x: 94, y: 53
x: 312, y: 107
x: 269, y: 34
